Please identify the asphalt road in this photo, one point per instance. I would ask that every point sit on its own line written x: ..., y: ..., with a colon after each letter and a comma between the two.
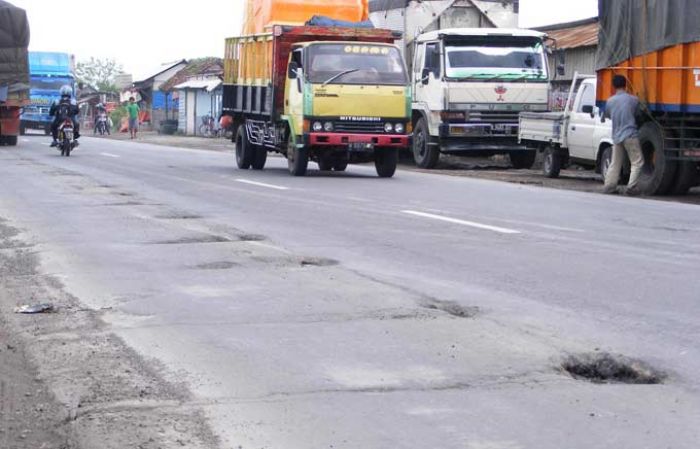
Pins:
x: 348, y: 311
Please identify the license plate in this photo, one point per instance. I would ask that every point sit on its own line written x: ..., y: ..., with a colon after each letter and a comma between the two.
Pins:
x: 361, y: 147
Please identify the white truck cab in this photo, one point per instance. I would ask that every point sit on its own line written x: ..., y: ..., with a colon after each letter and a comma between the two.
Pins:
x: 576, y: 134
x: 469, y: 85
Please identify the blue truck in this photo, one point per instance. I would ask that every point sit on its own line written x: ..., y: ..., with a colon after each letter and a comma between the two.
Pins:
x: 48, y: 72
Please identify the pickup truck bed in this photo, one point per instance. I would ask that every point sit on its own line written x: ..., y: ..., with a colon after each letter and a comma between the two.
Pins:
x: 546, y: 127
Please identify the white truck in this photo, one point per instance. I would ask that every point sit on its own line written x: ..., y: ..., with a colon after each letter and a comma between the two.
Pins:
x: 576, y: 134
x: 470, y: 85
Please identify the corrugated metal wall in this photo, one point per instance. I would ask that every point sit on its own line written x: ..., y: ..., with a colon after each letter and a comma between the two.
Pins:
x: 582, y: 60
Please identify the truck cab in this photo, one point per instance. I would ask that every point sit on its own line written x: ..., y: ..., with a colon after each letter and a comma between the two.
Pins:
x: 469, y: 85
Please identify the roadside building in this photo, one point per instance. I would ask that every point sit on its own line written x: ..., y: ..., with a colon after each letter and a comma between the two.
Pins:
x: 576, y: 48
x: 156, y: 105
x: 414, y: 17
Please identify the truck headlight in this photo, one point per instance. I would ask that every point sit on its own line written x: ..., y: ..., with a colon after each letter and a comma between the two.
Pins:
x: 399, y: 128
x: 388, y: 127
x: 328, y: 127
x: 318, y: 127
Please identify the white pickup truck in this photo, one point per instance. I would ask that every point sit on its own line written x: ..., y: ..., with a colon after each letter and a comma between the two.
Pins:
x: 574, y: 135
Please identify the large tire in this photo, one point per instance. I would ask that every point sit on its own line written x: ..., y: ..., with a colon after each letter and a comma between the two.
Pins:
x: 11, y: 141
x: 244, y: 150
x: 606, y: 160
x: 259, y: 157
x: 523, y: 159
x: 340, y: 163
x: 425, y: 155
x: 686, y: 177
x: 658, y: 172
x: 325, y: 162
x: 297, y: 160
x: 551, y: 165
x: 385, y: 161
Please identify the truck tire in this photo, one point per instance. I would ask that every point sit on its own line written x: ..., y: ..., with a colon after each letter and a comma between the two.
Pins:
x: 259, y: 157
x: 340, y: 163
x: 551, y: 165
x: 244, y: 156
x: 686, y: 177
x: 658, y: 172
x: 11, y: 141
x: 297, y: 160
x: 385, y: 161
x: 523, y: 159
x: 22, y: 130
x: 325, y: 161
x: 424, y: 154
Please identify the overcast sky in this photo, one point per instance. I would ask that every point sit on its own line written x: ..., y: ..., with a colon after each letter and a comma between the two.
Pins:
x: 141, y: 34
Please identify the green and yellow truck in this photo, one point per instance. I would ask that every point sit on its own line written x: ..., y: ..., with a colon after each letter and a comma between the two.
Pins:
x: 332, y: 95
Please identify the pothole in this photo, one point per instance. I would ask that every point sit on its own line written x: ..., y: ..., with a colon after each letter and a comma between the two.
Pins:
x: 198, y: 239
x: 216, y: 266
x: 451, y: 307
x: 610, y: 368
x: 318, y: 262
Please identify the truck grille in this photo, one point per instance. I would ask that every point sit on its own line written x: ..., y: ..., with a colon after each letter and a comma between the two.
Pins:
x: 493, y: 117
x: 359, y: 127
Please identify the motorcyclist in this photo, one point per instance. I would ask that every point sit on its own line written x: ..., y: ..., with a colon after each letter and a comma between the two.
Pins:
x: 101, y: 116
x: 65, y: 108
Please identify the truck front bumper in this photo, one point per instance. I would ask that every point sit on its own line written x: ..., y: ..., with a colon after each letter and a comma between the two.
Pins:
x: 357, y: 140
x: 486, y: 138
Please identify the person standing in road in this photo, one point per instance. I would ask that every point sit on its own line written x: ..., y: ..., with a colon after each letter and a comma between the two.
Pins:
x: 622, y: 108
x: 133, y: 110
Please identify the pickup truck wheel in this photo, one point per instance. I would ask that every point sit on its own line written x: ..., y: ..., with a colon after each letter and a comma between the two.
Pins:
x: 297, y: 160
x: 259, y: 157
x: 551, y: 165
x: 385, y: 161
x: 605, y: 161
x: 686, y: 177
x: 658, y: 172
x: 523, y: 159
x: 244, y: 149
x: 425, y: 155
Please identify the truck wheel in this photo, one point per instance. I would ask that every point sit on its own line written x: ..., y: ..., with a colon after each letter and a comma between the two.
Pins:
x: 22, y: 130
x: 523, y: 159
x: 658, y: 172
x: 425, y: 155
x: 551, y: 165
x: 325, y: 161
x: 385, y: 161
x: 687, y: 177
x: 11, y: 141
x: 244, y: 156
x: 340, y: 163
x: 259, y: 157
x: 297, y: 160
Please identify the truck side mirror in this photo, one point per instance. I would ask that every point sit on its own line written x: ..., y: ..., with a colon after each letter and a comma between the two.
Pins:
x: 588, y: 109
x: 292, y: 70
x: 425, y: 75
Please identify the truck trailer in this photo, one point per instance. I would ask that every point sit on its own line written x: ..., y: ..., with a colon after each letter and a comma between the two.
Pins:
x: 14, y: 70
x: 656, y: 46
x: 334, y: 95
x: 48, y: 72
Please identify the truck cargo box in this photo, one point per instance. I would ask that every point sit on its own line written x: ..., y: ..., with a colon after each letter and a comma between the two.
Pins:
x: 14, y: 40
x: 262, y: 14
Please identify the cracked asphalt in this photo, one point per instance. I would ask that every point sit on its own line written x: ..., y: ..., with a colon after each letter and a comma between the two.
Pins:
x: 214, y: 307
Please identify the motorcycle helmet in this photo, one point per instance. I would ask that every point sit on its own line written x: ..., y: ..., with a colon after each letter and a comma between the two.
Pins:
x: 66, y: 91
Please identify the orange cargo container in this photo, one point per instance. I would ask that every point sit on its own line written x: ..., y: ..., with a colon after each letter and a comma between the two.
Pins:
x: 262, y: 14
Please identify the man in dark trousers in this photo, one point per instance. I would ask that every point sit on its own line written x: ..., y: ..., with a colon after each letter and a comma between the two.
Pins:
x: 622, y: 108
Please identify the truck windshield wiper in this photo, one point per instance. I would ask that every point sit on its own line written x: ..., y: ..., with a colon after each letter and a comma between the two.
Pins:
x: 343, y: 73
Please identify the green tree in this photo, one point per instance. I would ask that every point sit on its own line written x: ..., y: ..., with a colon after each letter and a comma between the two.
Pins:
x: 98, y: 73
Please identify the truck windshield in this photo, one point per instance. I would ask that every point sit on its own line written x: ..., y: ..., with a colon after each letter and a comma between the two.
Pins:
x: 496, y: 61
x: 49, y: 83
x: 355, y: 64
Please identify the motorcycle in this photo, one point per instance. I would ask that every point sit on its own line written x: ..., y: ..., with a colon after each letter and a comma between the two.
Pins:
x: 66, y: 137
x: 102, y: 124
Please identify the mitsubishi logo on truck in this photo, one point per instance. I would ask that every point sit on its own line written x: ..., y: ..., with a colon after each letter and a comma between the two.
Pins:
x: 500, y: 91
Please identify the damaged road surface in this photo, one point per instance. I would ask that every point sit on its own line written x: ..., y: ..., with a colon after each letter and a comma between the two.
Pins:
x: 343, y: 311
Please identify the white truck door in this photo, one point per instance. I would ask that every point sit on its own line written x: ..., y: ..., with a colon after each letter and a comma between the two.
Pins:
x: 428, y: 85
x: 581, y: 132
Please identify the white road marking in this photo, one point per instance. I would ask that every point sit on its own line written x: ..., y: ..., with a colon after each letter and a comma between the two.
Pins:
x: 462, y: 222
x: 110, y: 155
x: 261, y: 184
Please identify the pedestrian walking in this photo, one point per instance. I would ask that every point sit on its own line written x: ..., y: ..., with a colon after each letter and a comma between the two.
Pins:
x: 133, y: 110
x: 622, y: 108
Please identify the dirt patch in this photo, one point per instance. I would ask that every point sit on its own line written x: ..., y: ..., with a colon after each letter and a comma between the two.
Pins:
x: 318, y: 262
x: 251, y: 238
x: 451, y: 307
x: 224, y: 265
x: 194, y: 240
x: 610, y: 368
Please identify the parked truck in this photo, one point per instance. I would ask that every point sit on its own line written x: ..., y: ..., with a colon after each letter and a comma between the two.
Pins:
x: 14, y: 70
x: 656, y: 46
x: 333, y: 95
x: 577, y: 134
x: 469, y: 85
x: 48, y: 73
